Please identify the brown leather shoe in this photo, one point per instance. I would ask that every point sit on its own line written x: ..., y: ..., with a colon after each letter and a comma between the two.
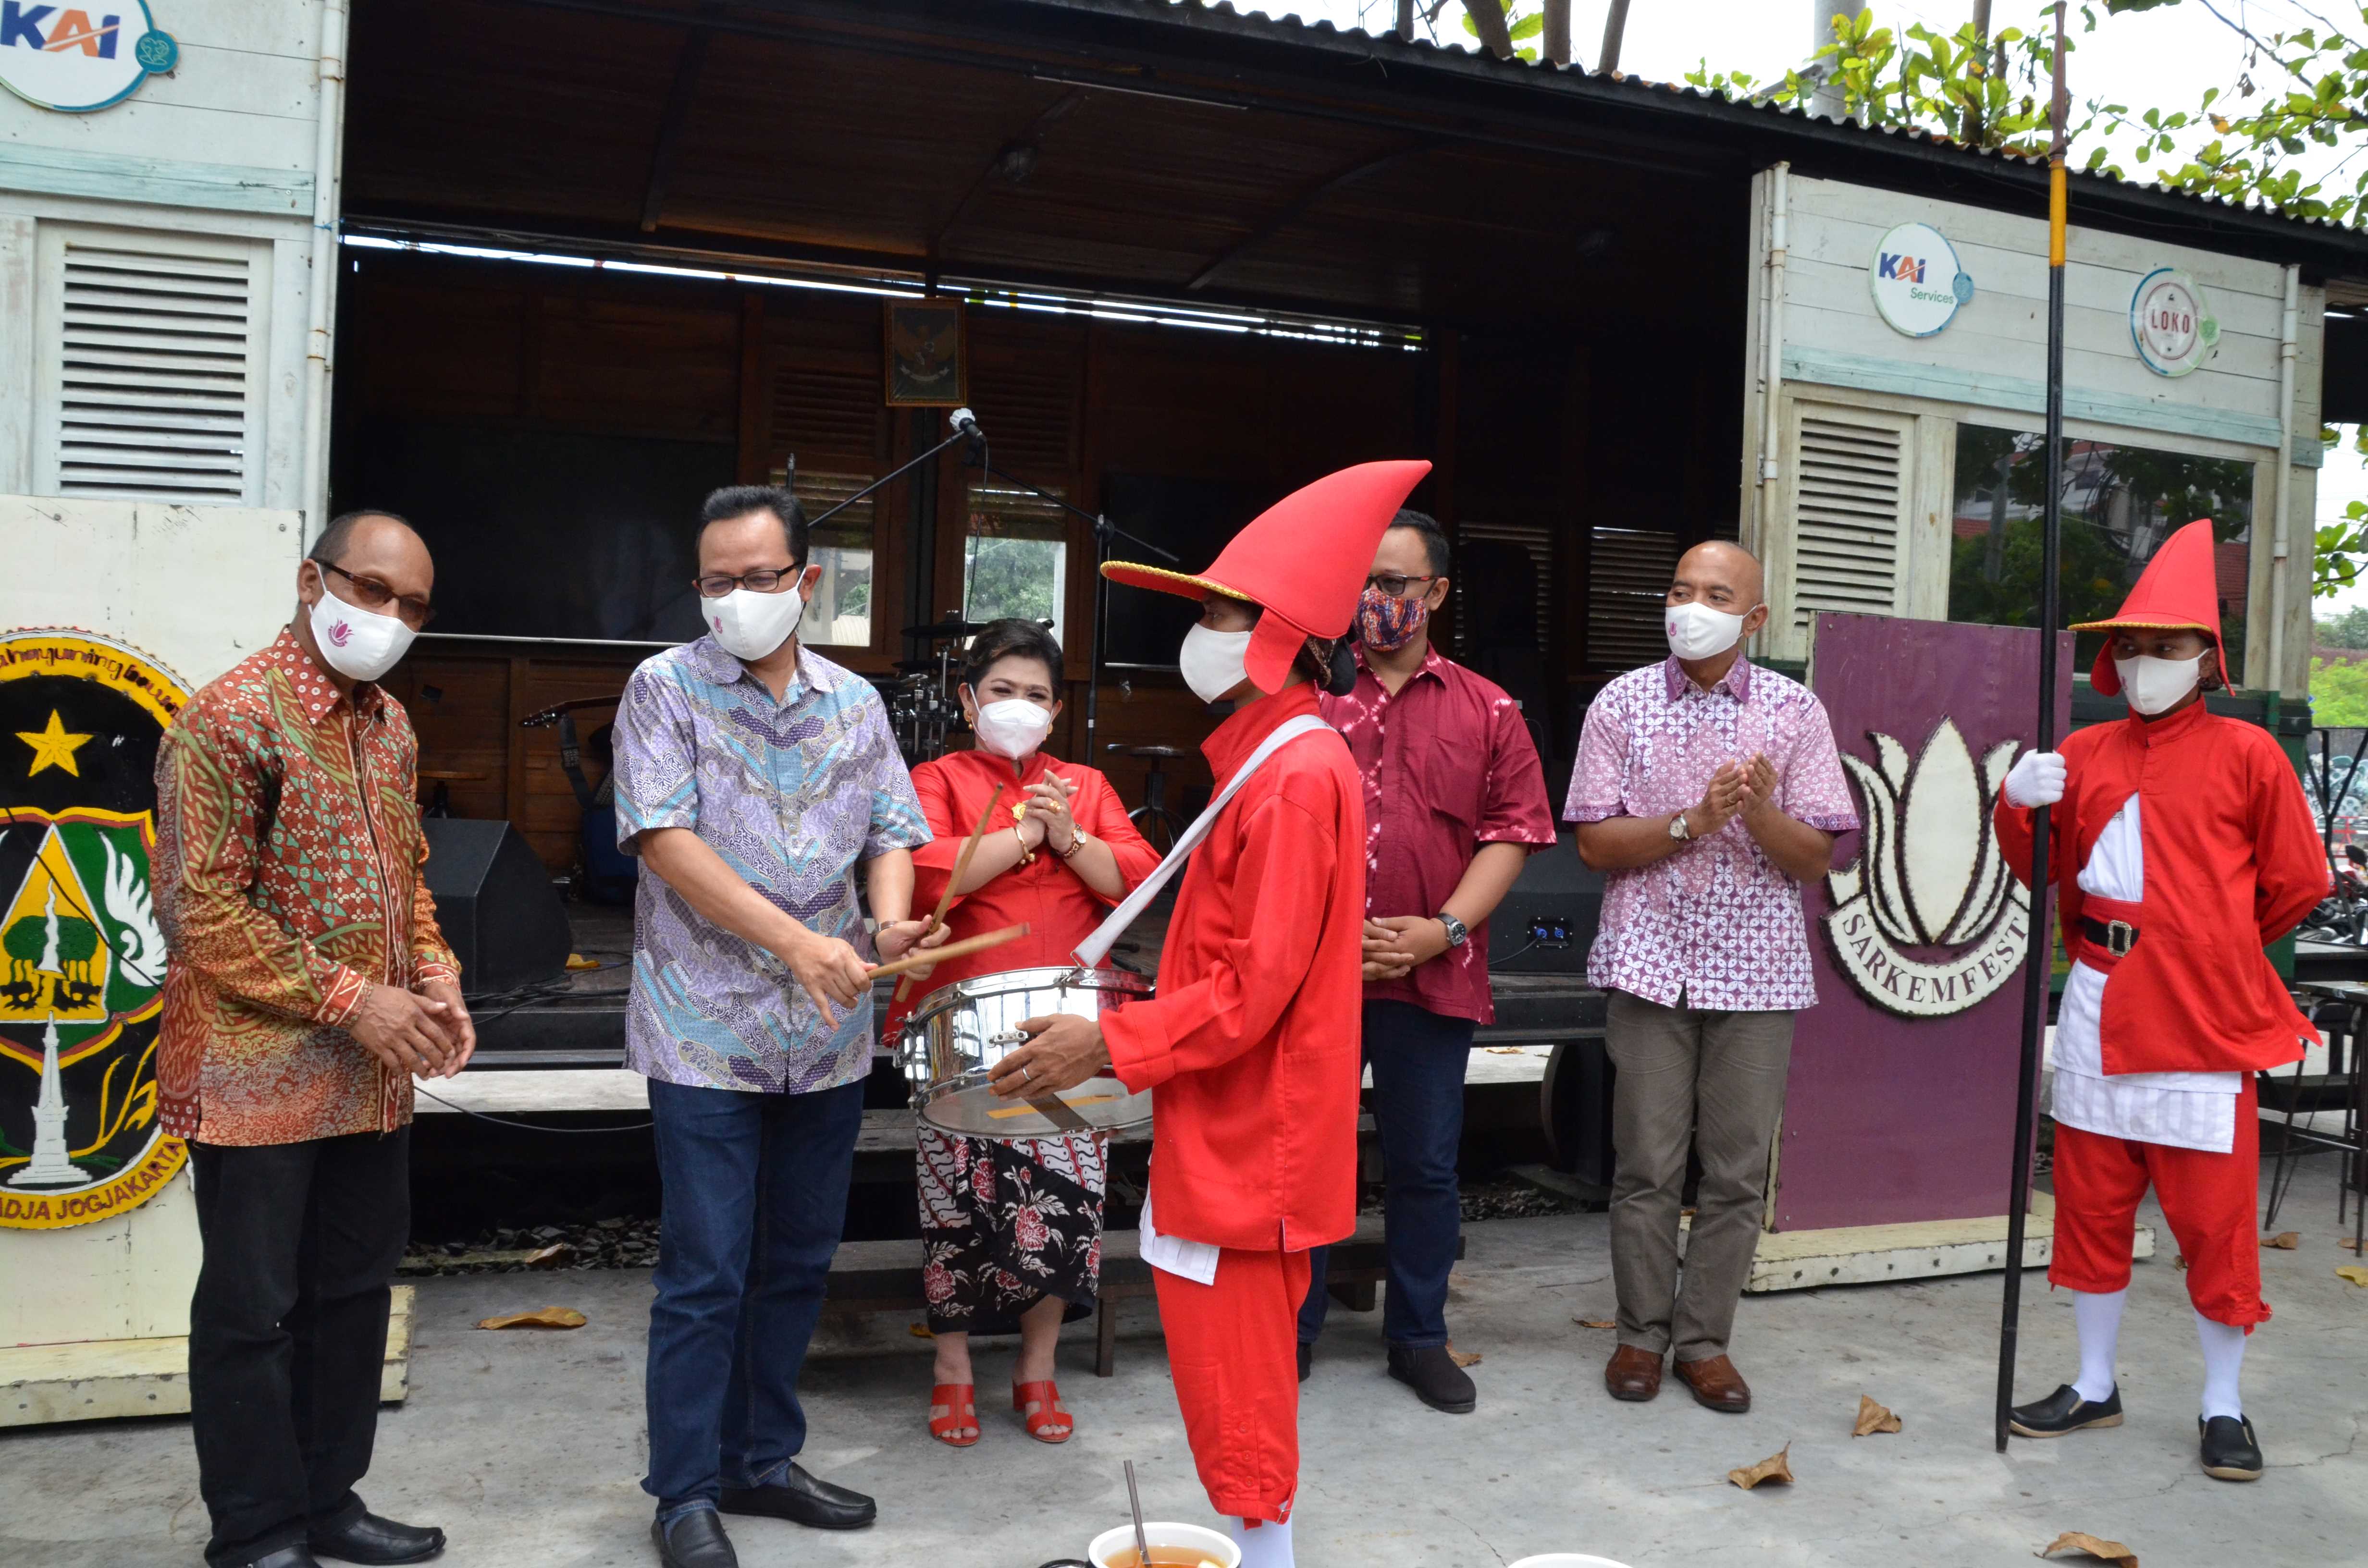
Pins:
x: 1716, y: 1385
x: 1632, y: 1373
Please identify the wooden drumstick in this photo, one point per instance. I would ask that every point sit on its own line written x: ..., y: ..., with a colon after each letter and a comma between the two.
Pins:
x: 945, y: 899
x: 963, y: 949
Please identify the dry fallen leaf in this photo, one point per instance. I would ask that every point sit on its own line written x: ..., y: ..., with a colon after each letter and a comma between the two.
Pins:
x: 1462, y: 1357
x: 1772, y: 1468
x: 919, y: 1331
x: 2076, y: 1540
x: 2352, y: 1272
x: 1508, y: 1051
x: 2348, y: 1244
x: 2181, y: 1261
x: 544, y: 1317
x: 1872, y: 1418
x: 2284, y: 1241
x: 1595, y: 1323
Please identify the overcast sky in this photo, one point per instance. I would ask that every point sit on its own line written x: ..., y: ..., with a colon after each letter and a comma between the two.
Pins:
x: 2163, y: 58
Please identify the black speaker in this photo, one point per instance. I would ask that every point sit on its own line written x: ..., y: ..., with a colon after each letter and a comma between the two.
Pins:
x: 1547, y: 922
x: 496, y: 905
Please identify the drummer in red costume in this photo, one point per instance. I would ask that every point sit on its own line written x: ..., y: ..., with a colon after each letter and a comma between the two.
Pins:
x: 2183, y: 845
x: 1251, y: 1042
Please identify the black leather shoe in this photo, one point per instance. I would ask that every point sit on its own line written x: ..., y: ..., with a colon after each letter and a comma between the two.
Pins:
x: 2064, y: 1411
x: 695, y: 1540
x: 2231, y: 1452
x: 372, y: 1539
x: 1307, y: 1359
x: 1434, y: 1377
x: 286, y: 1557
x: 802, y: 1500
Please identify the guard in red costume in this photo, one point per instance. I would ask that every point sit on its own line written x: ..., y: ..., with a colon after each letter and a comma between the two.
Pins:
x: 2183, y: 846
x: 1252, y: 1039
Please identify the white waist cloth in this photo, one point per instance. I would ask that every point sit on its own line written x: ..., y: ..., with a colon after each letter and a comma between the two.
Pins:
x: 1196, y: 1261
x: 2187, y: 1111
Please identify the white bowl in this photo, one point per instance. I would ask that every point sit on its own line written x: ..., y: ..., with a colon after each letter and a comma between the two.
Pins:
x: 1118, y: 1545
x: 1568, y: 1560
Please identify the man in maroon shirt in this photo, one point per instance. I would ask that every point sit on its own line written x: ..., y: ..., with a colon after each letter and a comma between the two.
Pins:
x: 1455, y: 801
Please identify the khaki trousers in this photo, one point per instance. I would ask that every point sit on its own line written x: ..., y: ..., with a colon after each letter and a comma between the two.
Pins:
x: 1715, y: 1081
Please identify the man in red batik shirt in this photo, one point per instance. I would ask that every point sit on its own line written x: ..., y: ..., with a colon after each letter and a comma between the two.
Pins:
x: 2182, y: 846
x: 1251, y: 1042
x: 1455, y: 802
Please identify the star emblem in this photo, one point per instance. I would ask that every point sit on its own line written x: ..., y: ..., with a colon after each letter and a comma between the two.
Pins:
x: 52, y: 747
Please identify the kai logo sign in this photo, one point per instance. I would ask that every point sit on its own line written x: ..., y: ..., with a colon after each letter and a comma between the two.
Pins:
x: 1916, y: 282
x: 1930, y: 921
x: 77, y: 58
x: 81, y: 952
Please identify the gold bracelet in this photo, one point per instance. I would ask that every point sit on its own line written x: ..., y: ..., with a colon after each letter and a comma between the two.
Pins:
x: 1027, y: 856
x: 1077, y: 836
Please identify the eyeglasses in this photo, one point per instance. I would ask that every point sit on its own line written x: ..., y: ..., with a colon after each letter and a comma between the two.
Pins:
x: 1396, y: 586
x: 415, y: 611
x: 764, y: 580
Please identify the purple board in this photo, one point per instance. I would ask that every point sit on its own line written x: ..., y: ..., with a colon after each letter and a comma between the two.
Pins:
x: 1900, y: 1105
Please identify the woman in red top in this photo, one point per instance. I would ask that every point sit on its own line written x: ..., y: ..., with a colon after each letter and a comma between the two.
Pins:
x: 1013, y: 1228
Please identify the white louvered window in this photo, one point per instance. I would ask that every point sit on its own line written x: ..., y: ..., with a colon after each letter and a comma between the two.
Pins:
x: 152, y: 366
x: 1628, y: 573
x: 1851, y: 494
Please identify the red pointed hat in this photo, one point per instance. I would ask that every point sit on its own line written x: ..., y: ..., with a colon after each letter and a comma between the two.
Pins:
x: 2177, y: 591
x: 1305, y: 559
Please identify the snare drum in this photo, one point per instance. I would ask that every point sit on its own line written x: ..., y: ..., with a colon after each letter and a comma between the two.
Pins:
x: 960, y: 1031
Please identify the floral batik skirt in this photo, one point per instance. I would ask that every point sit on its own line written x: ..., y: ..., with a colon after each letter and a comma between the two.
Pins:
x: 1005, y: 1224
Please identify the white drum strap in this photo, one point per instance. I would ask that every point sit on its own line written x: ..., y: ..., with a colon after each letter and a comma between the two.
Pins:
x: 1091, y: 952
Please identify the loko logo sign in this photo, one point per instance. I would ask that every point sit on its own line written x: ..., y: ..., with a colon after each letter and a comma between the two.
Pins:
x: 1916, y: 281
x: 2172, y: 322
x: 75, y: 58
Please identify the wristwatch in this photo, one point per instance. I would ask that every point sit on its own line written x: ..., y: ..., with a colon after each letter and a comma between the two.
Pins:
x: 1077, y: 836
x: 1457, y: 932
x: 1677, y: 828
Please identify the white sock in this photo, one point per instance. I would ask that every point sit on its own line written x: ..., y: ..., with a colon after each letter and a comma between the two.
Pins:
x: 2223, y: 1362
x: 1264, y: 1543
x: 2099, y: 1317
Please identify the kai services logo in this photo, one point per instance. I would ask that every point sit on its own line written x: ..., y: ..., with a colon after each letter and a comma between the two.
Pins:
x: 75, y: 59
x: 1916, y: 281
x: 82, y: 954
x: 1930, y: 921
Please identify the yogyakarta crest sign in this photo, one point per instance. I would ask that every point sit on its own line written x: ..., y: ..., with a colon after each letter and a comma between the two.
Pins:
x: 1929, y: 920
x: 82, y: 960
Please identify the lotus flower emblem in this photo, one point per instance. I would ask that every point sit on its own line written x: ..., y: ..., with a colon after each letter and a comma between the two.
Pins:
x: 341, y: 633
x: 1929, y: 874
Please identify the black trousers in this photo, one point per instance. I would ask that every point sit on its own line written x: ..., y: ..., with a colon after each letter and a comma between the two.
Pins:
x: 287, y: 1330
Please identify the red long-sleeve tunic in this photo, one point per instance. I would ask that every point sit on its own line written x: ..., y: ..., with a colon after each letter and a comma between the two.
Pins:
x: 2233, y: 862
x: 1252, y: 1041
x: 1060, y: 909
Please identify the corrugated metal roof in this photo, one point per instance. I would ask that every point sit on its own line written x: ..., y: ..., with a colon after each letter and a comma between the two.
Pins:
x: 1664, y: 97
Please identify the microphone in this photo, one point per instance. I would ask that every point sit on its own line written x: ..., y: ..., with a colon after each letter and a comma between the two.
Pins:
x: 965, y: 422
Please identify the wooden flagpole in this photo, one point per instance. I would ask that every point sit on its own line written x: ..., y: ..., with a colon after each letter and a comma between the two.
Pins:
x: 2041, y: 963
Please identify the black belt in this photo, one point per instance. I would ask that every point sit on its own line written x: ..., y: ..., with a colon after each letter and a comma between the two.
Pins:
x: 2117, y: 936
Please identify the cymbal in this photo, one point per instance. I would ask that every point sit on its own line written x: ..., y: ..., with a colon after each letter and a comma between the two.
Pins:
x: 947, y: 628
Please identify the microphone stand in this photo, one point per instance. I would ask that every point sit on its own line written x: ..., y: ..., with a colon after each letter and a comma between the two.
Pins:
x: 1104, y: 532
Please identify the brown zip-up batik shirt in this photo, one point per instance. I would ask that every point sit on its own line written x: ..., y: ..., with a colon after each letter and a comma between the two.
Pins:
x: 288, y: 880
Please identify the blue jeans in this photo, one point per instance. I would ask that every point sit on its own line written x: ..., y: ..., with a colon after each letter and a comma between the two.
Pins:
x: 1419, y: 1060
x: 755, y: 1193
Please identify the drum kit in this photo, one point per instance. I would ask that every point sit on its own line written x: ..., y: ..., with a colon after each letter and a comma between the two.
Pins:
x: 922, y: 705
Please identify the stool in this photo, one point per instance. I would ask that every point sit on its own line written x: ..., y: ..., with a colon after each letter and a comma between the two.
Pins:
x: 1159, y: 826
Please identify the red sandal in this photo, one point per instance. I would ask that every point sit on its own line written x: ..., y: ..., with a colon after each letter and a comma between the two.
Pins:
x: 959, y: 1402
x: 1040, y: 1406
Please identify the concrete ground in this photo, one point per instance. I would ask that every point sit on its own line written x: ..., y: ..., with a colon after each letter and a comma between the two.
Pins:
x: 528, y: 1448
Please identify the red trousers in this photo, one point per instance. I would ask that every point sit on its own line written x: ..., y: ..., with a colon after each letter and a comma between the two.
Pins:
x: 2208, y: 1198
x: 1232, y: 1349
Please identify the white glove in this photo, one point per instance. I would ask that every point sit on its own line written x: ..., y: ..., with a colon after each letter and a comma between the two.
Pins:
x: 2036, y: 779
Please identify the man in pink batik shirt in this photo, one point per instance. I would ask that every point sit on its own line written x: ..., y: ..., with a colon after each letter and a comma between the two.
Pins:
x: 1708, y: 789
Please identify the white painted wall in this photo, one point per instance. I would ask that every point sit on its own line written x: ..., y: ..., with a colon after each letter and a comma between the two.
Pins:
x: 1988, y: 366
x: 223, y: 147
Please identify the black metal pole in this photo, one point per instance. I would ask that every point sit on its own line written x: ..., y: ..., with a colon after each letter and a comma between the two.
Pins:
x: 2041, y: 963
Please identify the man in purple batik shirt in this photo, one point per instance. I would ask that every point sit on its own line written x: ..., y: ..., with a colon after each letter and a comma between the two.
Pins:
x: 1708, y: 789
x: 752, y: 778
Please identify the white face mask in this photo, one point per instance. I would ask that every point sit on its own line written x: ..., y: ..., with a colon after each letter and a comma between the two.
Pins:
x: 1214, y: 662
x: 2157, y: 686
x: 749, y: 625
x: 1014, y: 728
x: 360, y: 644
x: 1698, y: 631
